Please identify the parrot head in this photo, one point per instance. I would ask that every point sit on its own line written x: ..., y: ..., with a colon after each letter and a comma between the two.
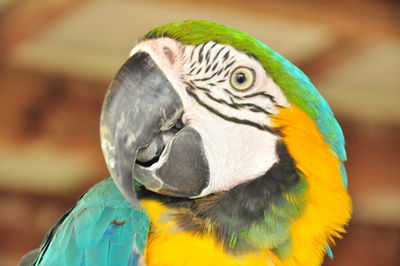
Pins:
x: 200, y: 109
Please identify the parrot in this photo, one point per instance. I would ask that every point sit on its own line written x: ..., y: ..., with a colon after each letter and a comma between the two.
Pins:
x: 220, y: 152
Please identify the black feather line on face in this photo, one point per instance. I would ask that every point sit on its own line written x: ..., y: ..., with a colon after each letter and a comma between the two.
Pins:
x: 220, y: 71
x: 214, y: 66
x: 229, y: 118
x: 226, y: 73
x: 234, y: 211
x: 191, y: 58
x: 253, y: 107
x: 218, y: 53
x: 226, y: 56
x: 221, y: 101
x: 229, y: 64
x: 199, y: 70
x: 262, y: 93
x: 207, y: 68
x: 233, y: 95
x: 208, y: 56
x: 191, y: 86
x: 200, y: 56
x: 206, y: 78
x: 192, y: 67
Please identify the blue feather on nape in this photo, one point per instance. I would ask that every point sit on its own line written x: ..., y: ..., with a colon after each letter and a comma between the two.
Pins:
x: 329, y: 252
x: 344, y: 175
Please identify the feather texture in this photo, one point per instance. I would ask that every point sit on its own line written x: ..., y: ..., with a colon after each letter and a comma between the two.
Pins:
x: 296, y: 86
x: 102, y: 229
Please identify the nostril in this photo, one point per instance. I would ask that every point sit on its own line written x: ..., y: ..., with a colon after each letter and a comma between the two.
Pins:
x: 179, y: 124
x: 169, y: 54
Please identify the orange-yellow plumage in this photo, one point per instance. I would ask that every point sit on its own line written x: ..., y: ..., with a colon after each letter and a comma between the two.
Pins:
x: 168, y: 245
x: 327, y: 209
x: 328, y: 205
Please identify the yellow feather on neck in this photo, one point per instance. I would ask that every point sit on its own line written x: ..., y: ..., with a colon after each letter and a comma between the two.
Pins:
x: 327, y: 209
x: 328, y: 205
x: 168, y: 245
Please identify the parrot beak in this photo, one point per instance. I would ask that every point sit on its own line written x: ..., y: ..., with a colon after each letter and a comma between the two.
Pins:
x: 139, y: 102
x: 140, y: 138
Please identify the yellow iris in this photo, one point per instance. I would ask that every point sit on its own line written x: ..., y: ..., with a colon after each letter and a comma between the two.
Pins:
x: 242, y: 78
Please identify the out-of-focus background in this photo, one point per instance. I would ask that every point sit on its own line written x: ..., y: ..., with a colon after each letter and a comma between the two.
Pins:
x: 57, y: 57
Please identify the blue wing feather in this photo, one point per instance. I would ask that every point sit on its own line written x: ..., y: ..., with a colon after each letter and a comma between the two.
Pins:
x: 102, y: 229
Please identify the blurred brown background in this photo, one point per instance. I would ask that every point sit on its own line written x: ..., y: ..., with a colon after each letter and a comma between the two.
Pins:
x: 57, y: 57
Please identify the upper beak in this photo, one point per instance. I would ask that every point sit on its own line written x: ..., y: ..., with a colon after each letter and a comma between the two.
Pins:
x: 140, y: 101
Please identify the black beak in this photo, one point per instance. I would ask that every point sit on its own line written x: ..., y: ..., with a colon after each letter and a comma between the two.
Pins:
x: 139, y: 102
x: 140, y: 106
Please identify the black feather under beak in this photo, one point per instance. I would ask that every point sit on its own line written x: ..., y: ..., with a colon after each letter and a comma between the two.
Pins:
x: 138, y: 138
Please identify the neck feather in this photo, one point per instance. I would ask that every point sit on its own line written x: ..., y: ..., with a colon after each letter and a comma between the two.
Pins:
x: 251, y: 216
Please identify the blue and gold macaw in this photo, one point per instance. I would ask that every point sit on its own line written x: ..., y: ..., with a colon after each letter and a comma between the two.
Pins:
x: 221, y: 152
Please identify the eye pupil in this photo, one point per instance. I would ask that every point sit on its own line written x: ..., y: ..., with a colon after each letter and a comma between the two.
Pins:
x: 241, y: 78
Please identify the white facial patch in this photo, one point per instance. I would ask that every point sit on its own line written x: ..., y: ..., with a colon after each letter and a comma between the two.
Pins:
x: 236, y: 153
x: 226, y: 118
x: 234, y: 124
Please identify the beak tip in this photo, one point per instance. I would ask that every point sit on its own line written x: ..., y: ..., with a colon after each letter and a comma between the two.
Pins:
x: 126, y: 188
x: 130, y: 195
x: 134, y: 202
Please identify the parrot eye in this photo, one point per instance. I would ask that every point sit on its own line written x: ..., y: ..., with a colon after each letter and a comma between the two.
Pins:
x: 242, y: 78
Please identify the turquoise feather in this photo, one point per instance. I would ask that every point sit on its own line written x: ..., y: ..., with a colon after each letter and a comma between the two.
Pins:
x: 329, y: 252
x: 102, y: 229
